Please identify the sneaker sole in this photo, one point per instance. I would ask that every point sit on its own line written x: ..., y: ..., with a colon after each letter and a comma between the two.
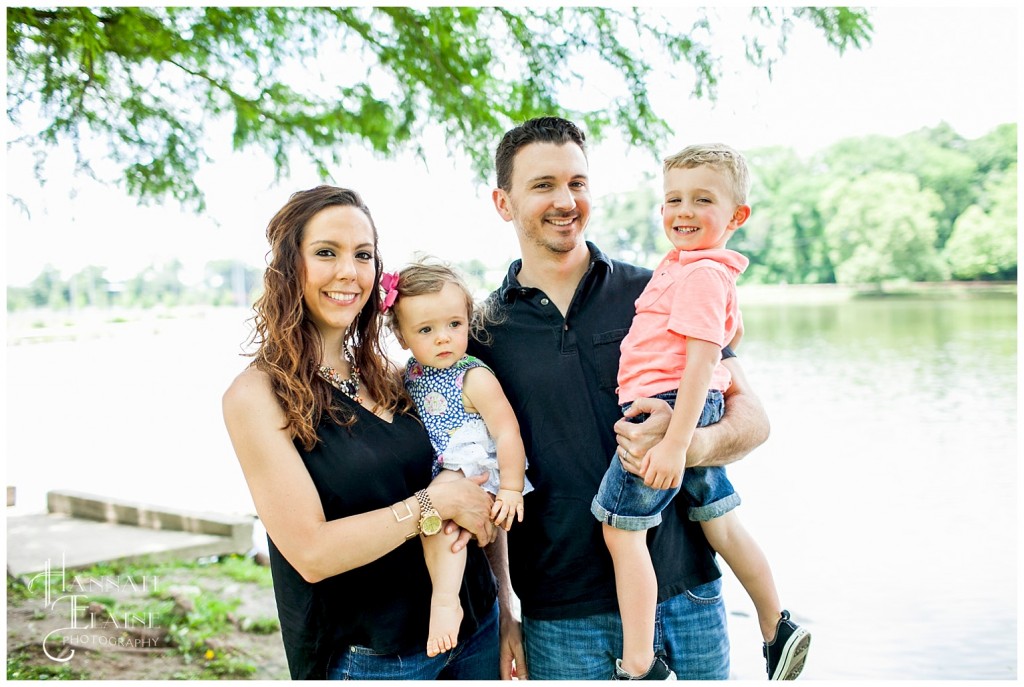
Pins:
x: 794, y: 654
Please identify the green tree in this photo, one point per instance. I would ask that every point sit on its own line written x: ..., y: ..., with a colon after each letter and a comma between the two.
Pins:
x: 937, y: 157
x: 996, y: 151
x: 155, y: 286
x: 146, y: 82
x: 784, y: 236
x: 984, y: 243
x: 89, y: 287
x: 882, y: 227
x: 18, y: 298
x: 628, y: 225
x: 48, y: 290
x: 231, y: 282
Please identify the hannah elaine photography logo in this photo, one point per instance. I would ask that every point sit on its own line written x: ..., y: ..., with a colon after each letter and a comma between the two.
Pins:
x: 72, y: 602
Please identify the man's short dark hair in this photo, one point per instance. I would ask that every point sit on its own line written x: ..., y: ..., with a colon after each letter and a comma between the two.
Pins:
x: 538, y: 130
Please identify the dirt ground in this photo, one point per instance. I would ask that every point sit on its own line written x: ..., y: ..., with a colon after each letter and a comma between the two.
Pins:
x: 226, y: 613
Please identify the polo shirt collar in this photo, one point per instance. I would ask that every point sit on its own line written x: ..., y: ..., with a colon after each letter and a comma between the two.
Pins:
x: 511, y: 288
x: 725, y: 256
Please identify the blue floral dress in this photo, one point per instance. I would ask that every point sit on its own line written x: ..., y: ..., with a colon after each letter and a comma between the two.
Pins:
x: 460, y: 438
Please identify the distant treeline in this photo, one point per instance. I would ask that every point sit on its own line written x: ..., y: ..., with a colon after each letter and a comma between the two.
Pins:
x: 927, y: 206
x: 225, y: 282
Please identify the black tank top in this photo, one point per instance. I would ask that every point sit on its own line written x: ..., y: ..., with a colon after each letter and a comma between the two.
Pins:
x: 384, y: 605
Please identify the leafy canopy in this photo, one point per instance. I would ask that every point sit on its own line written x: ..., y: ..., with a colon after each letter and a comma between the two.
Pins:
x: 147, y: 82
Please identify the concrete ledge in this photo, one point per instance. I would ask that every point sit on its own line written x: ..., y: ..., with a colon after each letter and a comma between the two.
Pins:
x: 116, y: 511
x: 42, y: 540
x: 82, y: 530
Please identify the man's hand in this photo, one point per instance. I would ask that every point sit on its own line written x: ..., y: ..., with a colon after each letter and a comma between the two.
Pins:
x: 513, y: 653
x: 635, y: 440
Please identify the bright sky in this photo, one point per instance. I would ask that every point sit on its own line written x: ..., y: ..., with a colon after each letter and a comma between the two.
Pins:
x: 924, y: 66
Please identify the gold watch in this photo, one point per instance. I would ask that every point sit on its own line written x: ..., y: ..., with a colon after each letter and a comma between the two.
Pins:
x: 430, y: 519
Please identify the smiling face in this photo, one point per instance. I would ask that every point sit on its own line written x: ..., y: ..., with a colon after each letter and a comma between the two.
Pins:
x: 434, y: 327
x: 700, y: 211
x: 338, y: 257
x: 548, y: 198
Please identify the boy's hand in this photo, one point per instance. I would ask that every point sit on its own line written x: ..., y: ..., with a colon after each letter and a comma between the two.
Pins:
x: 662, y: 466
x: 508, y: 505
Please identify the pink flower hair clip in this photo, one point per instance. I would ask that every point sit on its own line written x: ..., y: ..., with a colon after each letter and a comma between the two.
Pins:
x: 388, y: 290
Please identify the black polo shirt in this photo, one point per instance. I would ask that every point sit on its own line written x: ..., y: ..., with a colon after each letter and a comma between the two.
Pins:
x: 560, y: 376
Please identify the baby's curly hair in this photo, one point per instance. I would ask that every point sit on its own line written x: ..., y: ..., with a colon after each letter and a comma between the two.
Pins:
x: 429, y: 275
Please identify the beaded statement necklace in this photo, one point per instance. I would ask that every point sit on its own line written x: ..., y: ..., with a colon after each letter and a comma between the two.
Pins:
x: 350, y: 386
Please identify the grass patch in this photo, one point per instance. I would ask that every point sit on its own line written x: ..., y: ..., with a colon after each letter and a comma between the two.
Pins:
x: 136, y: 570
x: 243, y: 569
x: 260, y: 626
x: 17, y: 590
x: 187, y: 607
x: 226, y: 667
x: 20, y: 668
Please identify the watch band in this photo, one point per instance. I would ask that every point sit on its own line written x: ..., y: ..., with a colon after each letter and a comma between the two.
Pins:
x: 430, y: 520
x: 423, y: 498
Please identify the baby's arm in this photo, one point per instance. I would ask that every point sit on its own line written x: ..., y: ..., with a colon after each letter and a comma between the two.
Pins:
x: 483, y: 394
x: 662, y: 467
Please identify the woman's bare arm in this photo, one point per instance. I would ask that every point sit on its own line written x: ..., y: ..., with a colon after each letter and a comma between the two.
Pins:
x: 289, y: 506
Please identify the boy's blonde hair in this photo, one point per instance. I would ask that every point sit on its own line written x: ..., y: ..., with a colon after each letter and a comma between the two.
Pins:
x: 720, y: 157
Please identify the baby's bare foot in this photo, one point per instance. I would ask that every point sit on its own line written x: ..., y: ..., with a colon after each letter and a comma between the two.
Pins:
x: 445, y: 618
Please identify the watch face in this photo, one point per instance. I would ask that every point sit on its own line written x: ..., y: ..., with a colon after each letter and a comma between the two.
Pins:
x: 430, y: 524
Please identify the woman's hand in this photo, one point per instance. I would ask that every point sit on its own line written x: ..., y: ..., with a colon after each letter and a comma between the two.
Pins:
x: 468, y: 506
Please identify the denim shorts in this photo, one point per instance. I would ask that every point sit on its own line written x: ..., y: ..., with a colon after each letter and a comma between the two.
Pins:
x: 624, y: 502
x: 690, y: 631
x: 476, y: 658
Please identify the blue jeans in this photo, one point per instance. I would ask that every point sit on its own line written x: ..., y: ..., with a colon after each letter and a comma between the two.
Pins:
x: 476, y: 658
x: 624, y: 502
x: 690, y: 631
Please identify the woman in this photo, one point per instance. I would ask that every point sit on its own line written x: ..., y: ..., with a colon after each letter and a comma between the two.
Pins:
x: 338, y: 466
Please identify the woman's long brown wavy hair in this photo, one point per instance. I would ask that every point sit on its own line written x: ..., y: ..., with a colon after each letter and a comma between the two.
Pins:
x: 289, y: 345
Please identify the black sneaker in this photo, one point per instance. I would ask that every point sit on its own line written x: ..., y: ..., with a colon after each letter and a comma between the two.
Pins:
x: 788, y: 651
x: 659, y: 670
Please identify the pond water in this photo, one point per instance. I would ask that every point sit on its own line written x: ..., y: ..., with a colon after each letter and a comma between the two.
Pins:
x: 885, y: 499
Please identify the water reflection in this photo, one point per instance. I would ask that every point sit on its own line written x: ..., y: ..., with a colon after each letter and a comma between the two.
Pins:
x: 886, y: 498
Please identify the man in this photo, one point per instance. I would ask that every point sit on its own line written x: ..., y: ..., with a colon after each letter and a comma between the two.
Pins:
x: 562, y: 311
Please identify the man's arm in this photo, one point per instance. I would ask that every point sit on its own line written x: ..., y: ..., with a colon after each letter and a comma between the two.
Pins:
x: 743, y: 428
x: 512, y: 652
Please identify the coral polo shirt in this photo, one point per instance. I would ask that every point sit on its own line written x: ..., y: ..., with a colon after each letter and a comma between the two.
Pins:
x: 692, y: 294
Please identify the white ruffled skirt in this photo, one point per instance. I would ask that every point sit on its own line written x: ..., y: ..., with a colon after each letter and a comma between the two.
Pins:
x: 472, y: 450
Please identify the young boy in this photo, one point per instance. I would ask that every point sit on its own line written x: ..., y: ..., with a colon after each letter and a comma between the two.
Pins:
x: 684, y: 317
